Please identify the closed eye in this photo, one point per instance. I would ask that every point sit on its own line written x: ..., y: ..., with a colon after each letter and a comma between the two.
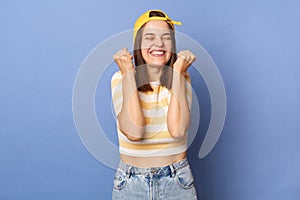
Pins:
x: 149, y: 36
x: 166, y: 37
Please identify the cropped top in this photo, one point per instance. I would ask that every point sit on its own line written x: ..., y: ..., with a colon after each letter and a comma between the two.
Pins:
x: 157, y: 140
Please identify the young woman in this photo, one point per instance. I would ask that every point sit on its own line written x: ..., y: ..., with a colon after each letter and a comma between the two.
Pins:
x: 152, y: 101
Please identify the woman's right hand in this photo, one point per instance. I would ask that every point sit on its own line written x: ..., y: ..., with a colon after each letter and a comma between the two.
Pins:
x: 123, y: 58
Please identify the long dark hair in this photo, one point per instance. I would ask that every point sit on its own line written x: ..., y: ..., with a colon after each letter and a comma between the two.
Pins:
x: 142, y: 77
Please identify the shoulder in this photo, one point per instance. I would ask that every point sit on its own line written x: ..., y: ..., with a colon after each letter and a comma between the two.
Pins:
x: 187, y: 77
x: 116, y: 79
x: 116, y: 75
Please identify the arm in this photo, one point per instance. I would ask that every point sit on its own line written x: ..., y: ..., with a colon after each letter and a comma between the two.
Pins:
x: 131, y: 120
x: 178, y: 117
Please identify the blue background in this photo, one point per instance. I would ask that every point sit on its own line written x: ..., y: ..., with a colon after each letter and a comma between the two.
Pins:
x: 255, y: 45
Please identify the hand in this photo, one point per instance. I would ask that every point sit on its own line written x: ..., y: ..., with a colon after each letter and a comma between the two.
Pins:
x: 184, y: 59
x: 123, y: 58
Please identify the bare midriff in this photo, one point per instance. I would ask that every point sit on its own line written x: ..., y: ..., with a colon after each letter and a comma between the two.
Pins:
x: 147, y: 162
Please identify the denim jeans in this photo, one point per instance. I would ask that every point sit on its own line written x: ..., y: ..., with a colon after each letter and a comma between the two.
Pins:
x: 172, y: 182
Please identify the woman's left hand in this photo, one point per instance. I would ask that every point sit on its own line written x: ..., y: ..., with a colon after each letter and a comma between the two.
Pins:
x: 184, y: 59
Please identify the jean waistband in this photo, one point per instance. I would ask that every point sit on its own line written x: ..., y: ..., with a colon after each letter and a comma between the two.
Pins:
x: 168, y: 170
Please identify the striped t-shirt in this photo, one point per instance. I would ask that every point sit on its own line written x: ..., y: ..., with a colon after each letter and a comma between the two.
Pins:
x: 157, y: 140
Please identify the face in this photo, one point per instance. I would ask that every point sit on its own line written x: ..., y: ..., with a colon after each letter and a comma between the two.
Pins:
x: 156, y: 42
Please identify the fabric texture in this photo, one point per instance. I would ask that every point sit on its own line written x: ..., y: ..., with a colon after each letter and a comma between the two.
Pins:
x: 172, y: 182
x: 157, y: 140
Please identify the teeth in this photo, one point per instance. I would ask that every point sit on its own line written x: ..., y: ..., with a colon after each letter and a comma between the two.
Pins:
x: 157, y: 52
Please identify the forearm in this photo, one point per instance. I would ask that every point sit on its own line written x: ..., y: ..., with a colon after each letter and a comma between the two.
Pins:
x: 178, y: 118
x: 131, y: 118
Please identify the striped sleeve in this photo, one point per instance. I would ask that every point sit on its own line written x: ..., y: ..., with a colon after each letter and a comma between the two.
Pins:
x: 116, y: 92
x: 188, y: 90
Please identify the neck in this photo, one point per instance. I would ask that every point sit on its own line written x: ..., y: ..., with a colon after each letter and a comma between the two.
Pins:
x: 154, y: 72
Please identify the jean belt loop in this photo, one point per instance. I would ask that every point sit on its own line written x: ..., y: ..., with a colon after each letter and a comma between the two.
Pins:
x: 173, y: 171
x: 129, y: 172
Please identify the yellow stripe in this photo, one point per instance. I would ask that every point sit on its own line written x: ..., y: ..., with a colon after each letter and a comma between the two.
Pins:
x: 157, y: 135
x: 154, y: 135
x: 115, y: 82
x: 152, y: 146
x: 155, y: 120
x: 117, y: 95
x: 188, y: 92
x: 152, y: 105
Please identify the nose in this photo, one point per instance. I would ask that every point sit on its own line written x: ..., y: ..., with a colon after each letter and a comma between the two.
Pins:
x: 158, y: 42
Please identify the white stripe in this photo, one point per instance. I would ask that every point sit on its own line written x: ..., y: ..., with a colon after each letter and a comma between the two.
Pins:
x: 156, y: 112
x: 117, y: 75
x: 189, y: 100
x: 154, y: 83
x: 122, y: 136
x: 156, y: 152
x: 117, y: 88
x: 156, y: 128
x: 188, y: 84
x: 118, y: 101
x: 118, y: 108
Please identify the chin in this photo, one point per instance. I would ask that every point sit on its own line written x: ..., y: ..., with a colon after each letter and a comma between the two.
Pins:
x: 156, y: 64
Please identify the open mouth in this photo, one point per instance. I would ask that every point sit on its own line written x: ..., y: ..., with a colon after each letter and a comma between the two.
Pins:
x: 157, y: 53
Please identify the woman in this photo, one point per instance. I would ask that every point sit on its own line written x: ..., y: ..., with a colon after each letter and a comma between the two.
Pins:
x: 152, y: 103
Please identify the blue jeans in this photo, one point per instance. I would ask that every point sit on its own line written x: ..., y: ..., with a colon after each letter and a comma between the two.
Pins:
x: 171, y: 182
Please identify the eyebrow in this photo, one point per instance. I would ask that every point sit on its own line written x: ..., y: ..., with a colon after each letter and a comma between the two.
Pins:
x: 151, y: 34
x: 148, y: 34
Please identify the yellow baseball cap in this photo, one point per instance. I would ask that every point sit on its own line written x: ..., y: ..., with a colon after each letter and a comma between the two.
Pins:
x: 144, y: 18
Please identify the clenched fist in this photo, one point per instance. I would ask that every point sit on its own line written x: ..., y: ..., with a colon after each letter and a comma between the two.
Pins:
x: 184, y: 59
x: 123, y: 58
